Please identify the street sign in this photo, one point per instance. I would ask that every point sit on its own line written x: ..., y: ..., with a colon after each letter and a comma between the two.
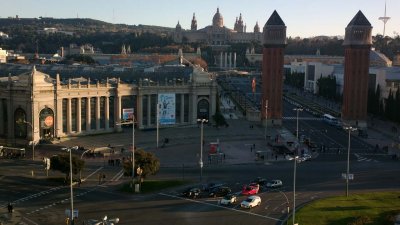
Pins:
x: 68, y: 213
x: 351, y: 176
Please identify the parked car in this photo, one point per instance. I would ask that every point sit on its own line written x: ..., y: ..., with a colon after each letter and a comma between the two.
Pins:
x: 362, y: 133
x: 306, y: 157
x: 208, y: 187
x: 260, y: 181
x: 191, y: 192
x: 219, y: 191
x: 250, y: 189
x: 251, y: 201
x: 228, y: 200
x: 274, y: 184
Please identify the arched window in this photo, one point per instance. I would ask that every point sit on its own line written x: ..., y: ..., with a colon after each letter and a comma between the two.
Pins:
x: 20, y: 125
x: 203, y: 109
x: 46, y: 123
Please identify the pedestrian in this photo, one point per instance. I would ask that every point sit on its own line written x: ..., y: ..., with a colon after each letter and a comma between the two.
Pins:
x: 10, y: 208
x: 254, y: 146
x: 276, y: 157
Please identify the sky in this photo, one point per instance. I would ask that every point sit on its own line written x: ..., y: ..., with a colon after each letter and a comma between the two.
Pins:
x: 303, y: 18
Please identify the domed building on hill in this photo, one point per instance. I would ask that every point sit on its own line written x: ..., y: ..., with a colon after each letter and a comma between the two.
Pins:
x: 217, y: 34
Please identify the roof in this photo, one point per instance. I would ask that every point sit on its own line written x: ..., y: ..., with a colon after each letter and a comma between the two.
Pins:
x: 359, y: 20
x: 275, y: 20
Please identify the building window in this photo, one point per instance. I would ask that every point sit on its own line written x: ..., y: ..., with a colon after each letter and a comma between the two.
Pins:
x: 178, y: 107
x: 153, y: 109
x: 64, y: 115
x: 186, y: 108
x: 83, y: 113
x: 102, y: 112
x: 111, y: 108
x: 20, y: 125
x: 93, y: 113
x: 144, y: 110
x: 74, y: 109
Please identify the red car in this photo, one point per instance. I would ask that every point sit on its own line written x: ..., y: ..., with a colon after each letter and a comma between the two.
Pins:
x: 250, y: 189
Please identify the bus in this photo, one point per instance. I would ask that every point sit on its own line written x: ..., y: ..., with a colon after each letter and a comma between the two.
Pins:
x: 330, y: 120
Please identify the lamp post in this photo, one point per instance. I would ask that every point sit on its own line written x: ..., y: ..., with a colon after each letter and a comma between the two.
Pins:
x: 266, y: 118
x: 202, y: 121
x: 133, y: 146
x: 294, y: 188
x: 297, y: 121
x: 70, y: 180
x: 349, y: 129
x: 33, y: 138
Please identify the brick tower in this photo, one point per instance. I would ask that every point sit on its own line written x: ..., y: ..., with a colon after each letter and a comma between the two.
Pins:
x: 357, y: 43
x: 274, y: 42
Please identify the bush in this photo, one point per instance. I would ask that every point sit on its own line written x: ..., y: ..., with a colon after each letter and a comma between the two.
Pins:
x: 361, y: 220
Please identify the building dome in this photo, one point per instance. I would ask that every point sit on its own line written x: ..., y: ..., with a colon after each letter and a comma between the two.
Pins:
x: 178, y: 26
x: 218, y: 21
x: 256, y: 28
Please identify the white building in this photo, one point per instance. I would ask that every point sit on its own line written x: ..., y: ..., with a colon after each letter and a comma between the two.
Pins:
x: 3, y: 56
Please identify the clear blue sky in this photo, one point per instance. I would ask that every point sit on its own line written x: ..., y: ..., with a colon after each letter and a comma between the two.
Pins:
x: 303, y: 18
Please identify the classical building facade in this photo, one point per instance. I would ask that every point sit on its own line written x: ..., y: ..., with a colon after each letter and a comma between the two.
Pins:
x: 217, y: 33
x: 34, y: 106
x: 357, y: 43
x: 274, y: 43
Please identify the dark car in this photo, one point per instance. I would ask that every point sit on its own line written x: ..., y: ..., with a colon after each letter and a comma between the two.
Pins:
x: 210, y: 186
x: 259, y: 180
x: 362, y: 133
x: 219, y: 191
x: 191, y: 192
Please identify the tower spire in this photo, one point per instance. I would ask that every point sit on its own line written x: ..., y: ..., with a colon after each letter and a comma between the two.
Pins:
x: 384, y: 20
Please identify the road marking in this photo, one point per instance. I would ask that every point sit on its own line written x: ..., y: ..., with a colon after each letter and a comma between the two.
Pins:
x: 222, y: 207
x: 29, y: 220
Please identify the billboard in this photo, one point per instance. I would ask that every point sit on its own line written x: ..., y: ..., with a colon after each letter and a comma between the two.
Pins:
x: 127, y: 114
x: 166, y: 108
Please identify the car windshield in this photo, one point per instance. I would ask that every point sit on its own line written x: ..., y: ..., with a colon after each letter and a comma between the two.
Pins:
x: 249, y: 200
x: 228, y: 197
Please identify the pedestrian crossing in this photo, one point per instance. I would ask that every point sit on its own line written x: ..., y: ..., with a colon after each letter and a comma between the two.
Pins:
x: 301, y: 118
x: 361, y: 158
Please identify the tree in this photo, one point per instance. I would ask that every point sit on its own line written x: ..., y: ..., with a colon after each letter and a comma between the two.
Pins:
x: 147, y: 161
x: 61, y: 163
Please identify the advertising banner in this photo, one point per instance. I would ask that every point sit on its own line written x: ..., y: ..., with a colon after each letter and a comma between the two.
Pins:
x: 166, y: 108
x: 127, y: 115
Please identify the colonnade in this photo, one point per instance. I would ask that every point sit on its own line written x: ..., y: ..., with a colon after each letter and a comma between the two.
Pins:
x: 227, y: 60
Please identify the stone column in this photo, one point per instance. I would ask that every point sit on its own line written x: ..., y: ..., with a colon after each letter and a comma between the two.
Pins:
x: 230, y: 60
x: 183, y: 107
x: 78, y: 116
x: 117, y: 112
x: 220, y: 60
x: 97, y: 113
x: 107, y: 113
x: 88, y: 116
x: 234, y: 60
x: 58, y: 117
x: 148, y: 110
x: 69, y: 116
x: 139, y: 111
x: 226, y: 59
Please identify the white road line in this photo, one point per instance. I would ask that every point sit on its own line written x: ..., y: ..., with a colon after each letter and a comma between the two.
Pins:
x: 222, y: 207
x: 29, y: 220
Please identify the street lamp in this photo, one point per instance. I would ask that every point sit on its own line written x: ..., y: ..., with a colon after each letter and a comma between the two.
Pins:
x: 294, y: 187
x: 202, y: 121
x: 349, y: 129
x: 133, y: 146
x: 33, y: 138
x: 297, y: 121
x: 70, y: 180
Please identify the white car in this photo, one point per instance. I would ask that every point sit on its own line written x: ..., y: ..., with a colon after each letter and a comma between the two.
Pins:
x: 274, y: 184
x: 251, y: 201
x: 228, y: 200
